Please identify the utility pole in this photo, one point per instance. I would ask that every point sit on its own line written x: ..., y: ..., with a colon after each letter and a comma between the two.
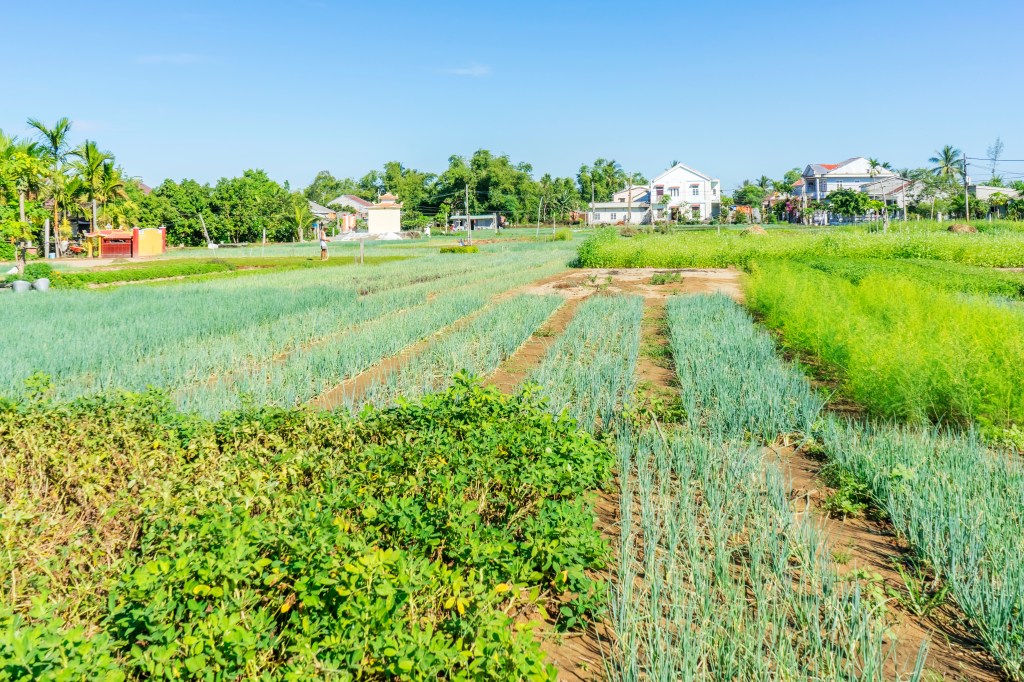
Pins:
x: 629, y: 201
x: 469, y: 223
x: 591, y: 201
x: 967, y: 206
x: 540, y: 207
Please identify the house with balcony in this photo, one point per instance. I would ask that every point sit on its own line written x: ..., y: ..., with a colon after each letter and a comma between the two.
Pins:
x: 680, y: 194
x: 821, y: 179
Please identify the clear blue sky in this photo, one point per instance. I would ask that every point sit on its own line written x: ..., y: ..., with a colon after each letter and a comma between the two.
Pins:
x: 207, y: 89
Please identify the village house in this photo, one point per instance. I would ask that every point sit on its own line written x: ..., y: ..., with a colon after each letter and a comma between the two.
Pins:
x: 678, y: 194
x: 821, y: 179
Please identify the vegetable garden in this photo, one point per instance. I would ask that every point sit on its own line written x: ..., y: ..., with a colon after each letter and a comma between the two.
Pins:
x: 179, y: 503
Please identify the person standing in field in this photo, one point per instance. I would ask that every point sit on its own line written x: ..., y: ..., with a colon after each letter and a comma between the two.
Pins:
x: 323, y: 245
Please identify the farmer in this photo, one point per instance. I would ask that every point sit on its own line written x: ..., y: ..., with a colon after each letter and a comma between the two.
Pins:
x: 323, y: 245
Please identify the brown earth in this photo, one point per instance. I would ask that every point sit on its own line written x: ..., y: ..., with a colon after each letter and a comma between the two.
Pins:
x: 581, y: 283
x: 961, y: 228
x: 954, y: 654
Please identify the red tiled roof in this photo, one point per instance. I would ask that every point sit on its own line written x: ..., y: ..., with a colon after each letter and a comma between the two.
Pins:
x: 830, y: 166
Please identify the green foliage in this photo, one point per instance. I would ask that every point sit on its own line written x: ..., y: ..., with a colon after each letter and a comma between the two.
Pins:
x: 388, y: 546
x: 562, y: 235
x: 848, y: 202
x: 666, y: 278
x: 903, y: 349
x: 460, y: 249
x: 34, y: 271
x: 850, y: 497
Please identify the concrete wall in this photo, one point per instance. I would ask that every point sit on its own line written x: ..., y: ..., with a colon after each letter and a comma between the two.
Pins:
x: 612, y: 216
x: 381, y: 220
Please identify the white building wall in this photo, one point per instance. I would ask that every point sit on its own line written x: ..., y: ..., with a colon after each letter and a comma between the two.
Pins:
x: 382, y: 220
x: 693, y: 190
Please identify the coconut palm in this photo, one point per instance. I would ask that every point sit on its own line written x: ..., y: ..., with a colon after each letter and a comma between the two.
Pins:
x: 947, y: 163
x: 764, y: 182
x: 55, y: 143
x: 89, y: 167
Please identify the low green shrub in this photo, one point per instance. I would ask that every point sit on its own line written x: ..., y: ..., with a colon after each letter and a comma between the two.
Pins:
x: 293, y: 542
x: 666, y: 278
x: 562, y: 235
x: 460, y: 249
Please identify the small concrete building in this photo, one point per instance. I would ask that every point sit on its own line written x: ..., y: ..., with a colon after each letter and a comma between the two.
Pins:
x: 385, y: 216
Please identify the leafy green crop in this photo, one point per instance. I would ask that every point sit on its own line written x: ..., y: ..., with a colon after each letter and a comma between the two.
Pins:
x: 286, y: 544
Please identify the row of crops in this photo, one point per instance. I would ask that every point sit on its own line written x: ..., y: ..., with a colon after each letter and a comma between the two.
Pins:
x: 954, y: 498
x: 279, y: 338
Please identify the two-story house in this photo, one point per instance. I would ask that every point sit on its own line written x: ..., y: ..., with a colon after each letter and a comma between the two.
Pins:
x: 679, y: 194
x: 821, y: 179
x: 682, y: 193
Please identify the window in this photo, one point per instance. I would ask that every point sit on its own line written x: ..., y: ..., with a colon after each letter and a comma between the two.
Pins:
x: 695, y: 190
x: 597, y: 216
x: 659, y: 191
x: 613, y: 217
x: 695, y: 211
x: 673, y: 191
x: 714, y: 192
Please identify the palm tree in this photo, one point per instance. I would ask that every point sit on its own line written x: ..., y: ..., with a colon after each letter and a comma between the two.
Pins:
x: 301, y: 217
x: 112, y: 186
x: 55, y: 142
x: 947, y: 163
x: 764, y: 182
x: 89, y: 167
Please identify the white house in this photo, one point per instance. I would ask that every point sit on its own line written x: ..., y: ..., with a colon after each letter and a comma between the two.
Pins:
x: 384, y: 216
x: 680, y: 193
x: 821, y: 179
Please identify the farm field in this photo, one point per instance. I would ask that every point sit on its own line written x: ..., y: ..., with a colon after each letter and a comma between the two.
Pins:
x: 797, y: 459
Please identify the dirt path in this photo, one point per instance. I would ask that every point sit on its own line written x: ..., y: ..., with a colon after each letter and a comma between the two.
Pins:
x: 581, y: 283
x: 863, y: 545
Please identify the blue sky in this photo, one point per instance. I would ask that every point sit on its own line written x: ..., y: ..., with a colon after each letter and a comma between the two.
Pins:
x: 737, y: 89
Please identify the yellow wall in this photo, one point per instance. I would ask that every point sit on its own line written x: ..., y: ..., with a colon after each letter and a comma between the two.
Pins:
x: 151, y: 243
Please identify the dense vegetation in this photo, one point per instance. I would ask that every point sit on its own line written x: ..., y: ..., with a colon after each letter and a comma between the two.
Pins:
x: 293, y: 543
x: 901, y: 348
x: 942, y: 275
x: 711, y: 250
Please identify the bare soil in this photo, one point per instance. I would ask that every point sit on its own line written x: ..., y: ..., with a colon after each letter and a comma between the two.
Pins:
x: 582, y: 283
x: 859, y: 543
